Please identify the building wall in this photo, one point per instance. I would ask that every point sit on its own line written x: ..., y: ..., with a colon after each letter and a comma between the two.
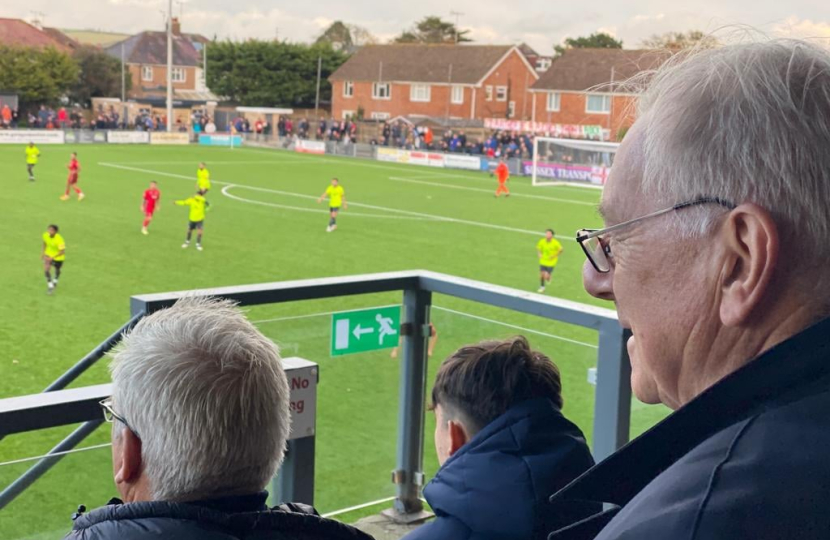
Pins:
x: 511, y: 73
x: 142, y: 88
x: 572, y: 111
x: 399, y: 103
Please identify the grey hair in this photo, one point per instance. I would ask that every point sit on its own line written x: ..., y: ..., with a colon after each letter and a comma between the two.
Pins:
x: 746, y: 123
x: 206, y: 393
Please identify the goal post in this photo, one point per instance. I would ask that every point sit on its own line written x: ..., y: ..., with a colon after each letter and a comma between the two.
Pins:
x: 571, y: 161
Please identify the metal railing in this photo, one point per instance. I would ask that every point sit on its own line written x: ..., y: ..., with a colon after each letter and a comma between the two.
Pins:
x: 612, y: 399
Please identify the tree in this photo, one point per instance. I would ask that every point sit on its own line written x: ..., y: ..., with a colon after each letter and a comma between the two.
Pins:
x: 597, y: 40
x: 337, y: 35
x: 38, y: 76
x: 432, y: 29
x: 346, y: 37
x: 361, y: 36
x: 271, y: 73
x: 99, y: 76
x: 680, y: 40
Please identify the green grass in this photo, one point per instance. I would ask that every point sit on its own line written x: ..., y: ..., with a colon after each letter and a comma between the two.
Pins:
x: 272, y: 233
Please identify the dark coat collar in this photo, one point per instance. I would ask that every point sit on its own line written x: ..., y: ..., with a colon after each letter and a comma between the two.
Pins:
x: 797, y: 367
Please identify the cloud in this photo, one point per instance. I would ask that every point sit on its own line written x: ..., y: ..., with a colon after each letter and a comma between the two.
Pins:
x: 795, y: 27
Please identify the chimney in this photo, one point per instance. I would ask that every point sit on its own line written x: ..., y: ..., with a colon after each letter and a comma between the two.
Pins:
x: 177, y: 26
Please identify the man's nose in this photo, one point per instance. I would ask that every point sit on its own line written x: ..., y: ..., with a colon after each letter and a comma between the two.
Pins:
x: 598, y: 284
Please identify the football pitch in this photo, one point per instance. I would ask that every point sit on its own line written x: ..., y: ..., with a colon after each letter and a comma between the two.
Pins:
x: 265, y: 225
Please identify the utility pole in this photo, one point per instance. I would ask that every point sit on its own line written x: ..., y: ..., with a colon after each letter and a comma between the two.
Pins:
x: 456, y: 14
x: 317, y: 96
x: 169, y: 125
x: 123, y: 76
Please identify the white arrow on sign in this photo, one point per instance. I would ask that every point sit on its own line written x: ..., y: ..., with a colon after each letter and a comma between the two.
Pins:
x: 358, y: 331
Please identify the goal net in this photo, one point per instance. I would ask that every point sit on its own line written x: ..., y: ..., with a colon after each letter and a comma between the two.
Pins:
x: 571, y: 161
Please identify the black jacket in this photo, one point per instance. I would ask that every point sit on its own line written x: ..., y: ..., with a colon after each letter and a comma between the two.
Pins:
x: 496, y: 485
x: 748, y: 458
x: 231, y: 518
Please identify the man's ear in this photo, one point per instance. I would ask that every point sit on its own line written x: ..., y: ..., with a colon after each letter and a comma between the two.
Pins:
x: 129, y: 470
x: 751, y: 243
x: 457, y: 434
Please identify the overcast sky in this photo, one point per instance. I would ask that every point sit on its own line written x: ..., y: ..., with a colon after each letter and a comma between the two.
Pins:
x: 541, y: 23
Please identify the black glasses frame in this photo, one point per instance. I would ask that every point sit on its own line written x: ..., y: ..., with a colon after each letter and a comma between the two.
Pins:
x: 583, y: 235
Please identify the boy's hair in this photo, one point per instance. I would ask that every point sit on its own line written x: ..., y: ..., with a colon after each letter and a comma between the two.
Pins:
x: 479, y: 383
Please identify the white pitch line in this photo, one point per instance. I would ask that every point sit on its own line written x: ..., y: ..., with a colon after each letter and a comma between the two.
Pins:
x: 448, y: 310
x: 211, y: 162
x: 358, y: 507
x: 361, y: 205
x: 490, y: 191
x: 226, y: 189
x: 529, y: 330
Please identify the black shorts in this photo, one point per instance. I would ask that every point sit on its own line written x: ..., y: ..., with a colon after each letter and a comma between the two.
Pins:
x: 334, y: 209
x: 57, y: 264
x: 195, y: 225
x: 546, y: 269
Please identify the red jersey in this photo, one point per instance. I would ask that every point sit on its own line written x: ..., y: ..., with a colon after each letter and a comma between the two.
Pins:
x: 151, y: 196
x: 502, y: 173
x: 74, y: 166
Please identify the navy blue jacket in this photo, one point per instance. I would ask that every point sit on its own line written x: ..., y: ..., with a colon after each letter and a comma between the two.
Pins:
x: 748, y: 458
x: 231, y: 518
x: 496, y: 485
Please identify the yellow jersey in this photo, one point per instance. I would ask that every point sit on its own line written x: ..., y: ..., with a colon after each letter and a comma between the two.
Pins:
x: 32, y: 153
x: 198, y: 206
x: 549, y: 250
x: 203, y: 179
x: 335, y: 194
x: 53, y: 246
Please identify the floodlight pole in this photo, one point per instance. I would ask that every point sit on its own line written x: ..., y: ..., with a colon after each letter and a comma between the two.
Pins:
x: 317, y: 96
x: 169, y: 65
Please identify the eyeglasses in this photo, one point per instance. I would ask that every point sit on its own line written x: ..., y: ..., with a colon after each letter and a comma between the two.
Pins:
x: 598, y: 250
x: 110, y: 415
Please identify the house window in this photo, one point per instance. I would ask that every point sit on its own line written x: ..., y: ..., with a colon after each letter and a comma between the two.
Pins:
x: 381, y: 91
x: 598, y: 103
x: 457, y: 94
x: 501, y: 93
x: 488, y: 93
x: 146, y: 73
x: 380, y: 116
x: 511, y: 109
x: 348, y: 114
x: 348, y: 89
x: 419, y: 92
x: 178, y: 75
x: 542, y: 64
x: 553, y: 102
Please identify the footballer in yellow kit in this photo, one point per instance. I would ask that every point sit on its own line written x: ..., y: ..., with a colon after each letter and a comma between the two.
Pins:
x: 32, y: 153
x: 548, y: 249
x: 198, y: 207
x: 202, y: 179
x: 54, y: 255
x: 337, y: 199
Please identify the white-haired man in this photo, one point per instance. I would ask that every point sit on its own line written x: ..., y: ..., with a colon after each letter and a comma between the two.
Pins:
x: 200, y: 412
x: 715, y: 252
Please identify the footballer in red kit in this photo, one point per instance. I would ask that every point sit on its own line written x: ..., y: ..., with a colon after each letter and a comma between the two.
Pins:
x: 148, y: 206
x: 72, y: 180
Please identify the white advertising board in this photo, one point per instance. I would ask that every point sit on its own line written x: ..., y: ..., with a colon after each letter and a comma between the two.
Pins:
x: 37, y: 136
x: 162, y: 137
x: 128, y: 137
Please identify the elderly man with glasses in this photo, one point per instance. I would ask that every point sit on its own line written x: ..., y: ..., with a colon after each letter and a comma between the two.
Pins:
x: 715, y: 253
x: 200, y: 417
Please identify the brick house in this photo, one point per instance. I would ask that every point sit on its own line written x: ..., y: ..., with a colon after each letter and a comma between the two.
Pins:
x: 449, y: 81
x: 19, y: 33
x: 582, y: 87
x: 145, y: 55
